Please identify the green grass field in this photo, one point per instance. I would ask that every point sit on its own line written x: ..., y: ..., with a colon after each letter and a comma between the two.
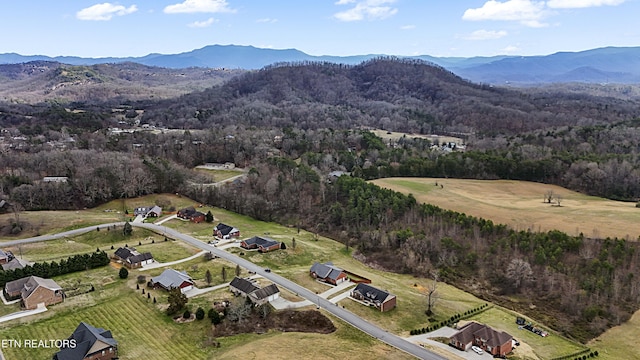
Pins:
x: 520, y: 205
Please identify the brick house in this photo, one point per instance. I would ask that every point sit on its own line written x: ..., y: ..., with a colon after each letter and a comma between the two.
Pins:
x: 328, y: 273
x: 262, y: 244
x: 372, y: 296
x: 34, y: 290
x: 90, y: 343
x: 495, y: 342
x: 191, y: 214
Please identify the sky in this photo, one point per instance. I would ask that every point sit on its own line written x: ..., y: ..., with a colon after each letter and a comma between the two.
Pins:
x: 444, y: 28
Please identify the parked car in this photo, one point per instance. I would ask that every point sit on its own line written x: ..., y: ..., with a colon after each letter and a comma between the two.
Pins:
x: 516, y: 342
x: 267, y: 270
x: 477, y: 350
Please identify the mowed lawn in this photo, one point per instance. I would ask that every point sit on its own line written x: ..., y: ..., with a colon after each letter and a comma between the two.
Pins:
x: 520, y: 205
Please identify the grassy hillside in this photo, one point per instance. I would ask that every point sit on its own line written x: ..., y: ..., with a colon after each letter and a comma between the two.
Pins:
x: 521, y: 205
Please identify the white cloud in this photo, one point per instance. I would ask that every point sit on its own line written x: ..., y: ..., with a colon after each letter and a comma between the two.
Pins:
x: 407, y: 27
x: 574, y: 4
x: 104, y: 11
x: 366, y: 9
x: 486, y: 35
x: 527, y: 12
x: 511, y: 49
x: 199, y: 6
x: 202, y: 24
x: 267, y: 20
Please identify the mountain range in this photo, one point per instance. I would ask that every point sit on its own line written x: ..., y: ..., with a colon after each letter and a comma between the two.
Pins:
x: 602, y: 65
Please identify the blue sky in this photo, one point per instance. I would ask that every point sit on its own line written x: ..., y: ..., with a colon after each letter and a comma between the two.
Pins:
x: 318, y: 27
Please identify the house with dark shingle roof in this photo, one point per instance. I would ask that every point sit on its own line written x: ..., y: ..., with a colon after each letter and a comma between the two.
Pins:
x: 328, y: 273
x: 247, y: 288
x: 492, y: 341
x: 131, y: 258
x: 224, y: 231
x: 89, y: 343
x: 265, y: 294
x: 191, y: 214
x: 263, y: 244
x: 34, y: 290
x: 372, y: 296
x: 170, y: 279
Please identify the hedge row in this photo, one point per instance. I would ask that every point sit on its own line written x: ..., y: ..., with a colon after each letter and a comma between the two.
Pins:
x: 455, y: 318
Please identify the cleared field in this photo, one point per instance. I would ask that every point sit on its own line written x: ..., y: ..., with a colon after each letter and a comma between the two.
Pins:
x: 217, y: 175
x: 433, y: 138
x: 520, y: 205
x: 619, y: 342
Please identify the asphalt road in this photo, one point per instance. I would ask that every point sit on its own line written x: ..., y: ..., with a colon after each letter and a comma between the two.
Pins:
x: 339, y: 312
x: 334, y: 309
x: 61, y: 235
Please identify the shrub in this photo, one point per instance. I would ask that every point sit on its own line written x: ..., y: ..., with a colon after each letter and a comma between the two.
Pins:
x: 187, y: 314
x: 200, y: 313
x: 123, y: 273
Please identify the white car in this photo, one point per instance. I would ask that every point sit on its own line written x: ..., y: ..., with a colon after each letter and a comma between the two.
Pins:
x: 477, y: 350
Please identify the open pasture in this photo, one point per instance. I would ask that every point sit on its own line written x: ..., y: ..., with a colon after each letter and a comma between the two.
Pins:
x: 520, y: 204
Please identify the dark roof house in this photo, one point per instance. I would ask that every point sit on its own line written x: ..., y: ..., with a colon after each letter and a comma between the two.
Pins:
x: 492, y: 341
x: 381, y: 299
x: 89, y: 343
x: 328, y: 273
x: 131, y: 258
x: 170, y: 279
x: 225, y: 231
x: 260, y: 243
x: 247, y: 288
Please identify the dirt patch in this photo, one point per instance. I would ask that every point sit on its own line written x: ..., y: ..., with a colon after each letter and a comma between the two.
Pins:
x: 309, y: 321
x: 182, y: 320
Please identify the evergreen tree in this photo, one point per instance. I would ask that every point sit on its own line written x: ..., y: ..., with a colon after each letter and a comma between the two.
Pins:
x: 127, y: 229
x: 123, y: 273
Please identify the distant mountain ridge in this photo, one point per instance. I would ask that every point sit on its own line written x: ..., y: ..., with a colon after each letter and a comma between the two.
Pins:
x: 602, y: 65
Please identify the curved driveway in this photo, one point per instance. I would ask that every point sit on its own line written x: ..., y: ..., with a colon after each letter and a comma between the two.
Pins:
x: 334, y: 309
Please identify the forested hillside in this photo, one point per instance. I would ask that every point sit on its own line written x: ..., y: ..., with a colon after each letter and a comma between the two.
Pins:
x: 393, y: 94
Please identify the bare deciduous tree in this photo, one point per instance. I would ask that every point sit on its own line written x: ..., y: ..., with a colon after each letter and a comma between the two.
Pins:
x: 519, y: 272
x: 432, y: 296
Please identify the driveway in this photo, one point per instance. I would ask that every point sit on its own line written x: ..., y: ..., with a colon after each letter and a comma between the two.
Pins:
x: 446, y: 332
x: 16, y: 315
x: 156, y: 265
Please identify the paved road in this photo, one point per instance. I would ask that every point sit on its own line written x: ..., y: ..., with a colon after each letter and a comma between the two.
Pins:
x: 336, y: 310
x: 69, y: 233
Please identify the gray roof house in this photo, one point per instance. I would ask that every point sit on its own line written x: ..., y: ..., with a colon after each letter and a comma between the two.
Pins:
x: 328, y: 273
x: 242, y: 286
x: 90, y: 343
x: 170, y: 279
x: 13, y: 264
x: 34, y: 290
x: 257, y: 295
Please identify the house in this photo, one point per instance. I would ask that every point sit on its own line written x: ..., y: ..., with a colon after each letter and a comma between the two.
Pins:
x: 328, y: 273
x: 494, y: 342
x: 132, y: 258
x: 5, y: 256
x: 170, y: 279
x: 224, y: 231
x: 265, y: 294
x: 34, y: 290
x: 242, y: 287
x: 55, y: 179
x: 90, y: 343
x: 148, y: 211
x: 381, y: 299
x: 262, y: 244
x: 13, y: 264
x: 191, y: 214
x: 258, y: 296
